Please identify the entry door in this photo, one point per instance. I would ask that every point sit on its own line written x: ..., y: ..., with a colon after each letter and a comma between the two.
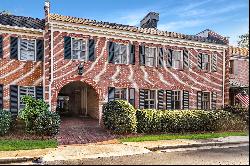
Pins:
x: 84, y: 102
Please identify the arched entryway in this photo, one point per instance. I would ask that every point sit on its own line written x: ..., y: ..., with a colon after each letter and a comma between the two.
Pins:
x: 78, y: 99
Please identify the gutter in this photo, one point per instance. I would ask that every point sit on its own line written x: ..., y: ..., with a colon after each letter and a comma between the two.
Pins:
x: 223, y: 78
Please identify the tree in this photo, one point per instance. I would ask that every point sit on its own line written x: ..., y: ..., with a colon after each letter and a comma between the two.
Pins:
x: 244, y: 40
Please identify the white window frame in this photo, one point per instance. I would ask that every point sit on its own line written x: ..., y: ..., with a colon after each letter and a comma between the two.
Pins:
x: 209, y: 62
x: 86, y: 52
x: 120, y: 88
x: 180, y: 99
x: 155, y: 98
x: 19, y: 95
x: 155, y: 56
x: 181, y: 61
x: 127, y: 51
x: 210, y: 98
x: 19, y: 49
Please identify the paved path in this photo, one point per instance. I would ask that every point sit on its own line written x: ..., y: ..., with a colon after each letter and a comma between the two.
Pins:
x: 81, y: 131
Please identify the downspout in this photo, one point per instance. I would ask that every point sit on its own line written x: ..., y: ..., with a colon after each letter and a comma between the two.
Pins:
x: 51, y: 65
x: 223, y: 79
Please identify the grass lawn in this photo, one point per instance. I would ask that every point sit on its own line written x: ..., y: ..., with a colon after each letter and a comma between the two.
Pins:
x: 181, y: 136
x: 11, y: 145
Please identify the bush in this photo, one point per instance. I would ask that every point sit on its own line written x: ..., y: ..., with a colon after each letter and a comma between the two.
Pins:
x: 47, y: 123
x: 119, y: 116
x: 239, y: 111
x: 5, y: 121
x: 179, y: 121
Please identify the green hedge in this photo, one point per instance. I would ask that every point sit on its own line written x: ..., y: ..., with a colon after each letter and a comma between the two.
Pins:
x: 179, y: 121
x: 5, y: 121
x: 119, y: 116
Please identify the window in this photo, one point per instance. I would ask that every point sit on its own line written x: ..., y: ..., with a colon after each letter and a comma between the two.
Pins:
x: 120, y: 93
x: 177, y: 59
x: 205, y: 62
x: 176, y: 100
x: 150, y: 55
x: 205, y: 100
x: 27, y: 49
x: 25, y: 90
x: 149, y: 99
x: 121, y: 54
x: 79, y: 49
x: 231, y: 66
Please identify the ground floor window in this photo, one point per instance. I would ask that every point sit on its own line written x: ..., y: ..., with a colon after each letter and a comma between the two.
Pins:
x: 149, y: 99
x: 205, y: 100
x: 122, y: 94
x: 176, y: 100
x: 23, y: 91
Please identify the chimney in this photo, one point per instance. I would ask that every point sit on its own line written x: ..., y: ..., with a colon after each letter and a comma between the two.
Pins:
x: 150, y: 20
x: 47, y: 8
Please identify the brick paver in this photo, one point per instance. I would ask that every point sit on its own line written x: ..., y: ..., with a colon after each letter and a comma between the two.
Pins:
x: 76, y: 130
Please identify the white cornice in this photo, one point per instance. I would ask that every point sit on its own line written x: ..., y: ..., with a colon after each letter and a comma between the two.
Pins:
x: 21, y: 30
x: 132, y: 36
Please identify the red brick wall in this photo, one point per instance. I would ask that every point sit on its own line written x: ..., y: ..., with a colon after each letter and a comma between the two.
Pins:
x: 243, y: 72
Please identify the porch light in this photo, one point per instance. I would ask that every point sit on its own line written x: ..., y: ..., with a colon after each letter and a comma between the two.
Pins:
x: 80, y: 69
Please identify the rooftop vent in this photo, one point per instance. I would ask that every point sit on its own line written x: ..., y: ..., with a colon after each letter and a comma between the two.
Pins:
x: 150, y: 20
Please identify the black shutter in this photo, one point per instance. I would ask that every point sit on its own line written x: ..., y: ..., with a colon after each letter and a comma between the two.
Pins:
x: 13, y: 48
x: 141, y: 98
x: 1, y: 47
x: 132, y: 54
x: 185, y: 59
x: 67, y: 47
x: 142, y: 54
x: 160, y: 99
x: 169, y: 99
x: 199, y: 100
x: 111, y: 93
x: 39, y: 50
x: 91, y: 50
x: 1, y: 97
x: 39, y: 92
x: 200, y: 61
x: 111, y: 52
x: 160, y: 57
x: 169, y: 57
x: 214, y: 100
x: 185, y: 100
x: 214, y: 62
x: 132, y: 96
x: 14, y: 100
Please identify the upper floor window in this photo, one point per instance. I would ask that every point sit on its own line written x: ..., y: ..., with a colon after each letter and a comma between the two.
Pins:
x: 79, y: 49
x: 205, y: 62
x: 23, y: 91
x: 27, y: 49
x: 233, y: 67
x: 149, y: 99
x: 150, y: 56
x: 177, y: 59
x: 121, y: 54
x: 176, y: 100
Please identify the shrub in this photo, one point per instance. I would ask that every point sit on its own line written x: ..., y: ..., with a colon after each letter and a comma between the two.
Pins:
x: 239, y: 111
x: 47, y: 123
x: 119, y: 116
x: 5, y: 121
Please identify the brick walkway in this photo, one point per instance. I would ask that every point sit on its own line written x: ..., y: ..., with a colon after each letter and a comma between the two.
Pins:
x: 75, y: 130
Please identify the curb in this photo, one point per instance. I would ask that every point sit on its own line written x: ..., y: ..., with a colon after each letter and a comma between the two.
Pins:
x: 16, y: 160
x: 196, y: 145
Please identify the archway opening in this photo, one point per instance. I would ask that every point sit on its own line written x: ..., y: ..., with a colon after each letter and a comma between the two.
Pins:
x: 78, y: 99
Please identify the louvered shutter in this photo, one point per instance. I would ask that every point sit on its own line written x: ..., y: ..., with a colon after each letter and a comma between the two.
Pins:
x: 142, y: 54
x: 1, y: 47
x: 1, y: 97
x: 111, y: 93
x: 132, y: 96
x: 214, y: 62
x: 160, y: 99
x: 111, y: 52
x: 214, y: 100
x: 91, y: 50
x: 141, y: 98
x: 67, y: 47
x: 199, y: 100
x: 200, y: 61
x: 39, y: 92
x: 39, y: 50
x: 13, y: 48
x: 185, y: 100
x: 169, y: 57
x: 160, y: 57
x: 185, y: 59
x: 14, y: 100
x: 132, y: 54
x: 169, y: 99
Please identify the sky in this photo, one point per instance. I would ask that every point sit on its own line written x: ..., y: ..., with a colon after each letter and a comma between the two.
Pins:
x: 229, y: 18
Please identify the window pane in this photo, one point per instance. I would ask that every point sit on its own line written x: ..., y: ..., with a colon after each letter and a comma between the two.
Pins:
x: 27, y: 49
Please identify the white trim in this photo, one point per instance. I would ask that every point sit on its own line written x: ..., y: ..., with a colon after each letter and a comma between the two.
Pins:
x: 21, y: 28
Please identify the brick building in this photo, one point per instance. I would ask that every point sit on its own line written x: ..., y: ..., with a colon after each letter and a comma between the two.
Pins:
x: 78, y: 64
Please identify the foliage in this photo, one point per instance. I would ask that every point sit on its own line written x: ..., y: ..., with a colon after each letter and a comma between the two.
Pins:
x: 119, y: 116
x: 5, y: 121
x: 239, y: 111
x: 244, y: 40
x: 47, y: 123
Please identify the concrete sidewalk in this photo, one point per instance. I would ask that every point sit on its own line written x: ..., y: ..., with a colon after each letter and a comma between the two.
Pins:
x: 78, y: 152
